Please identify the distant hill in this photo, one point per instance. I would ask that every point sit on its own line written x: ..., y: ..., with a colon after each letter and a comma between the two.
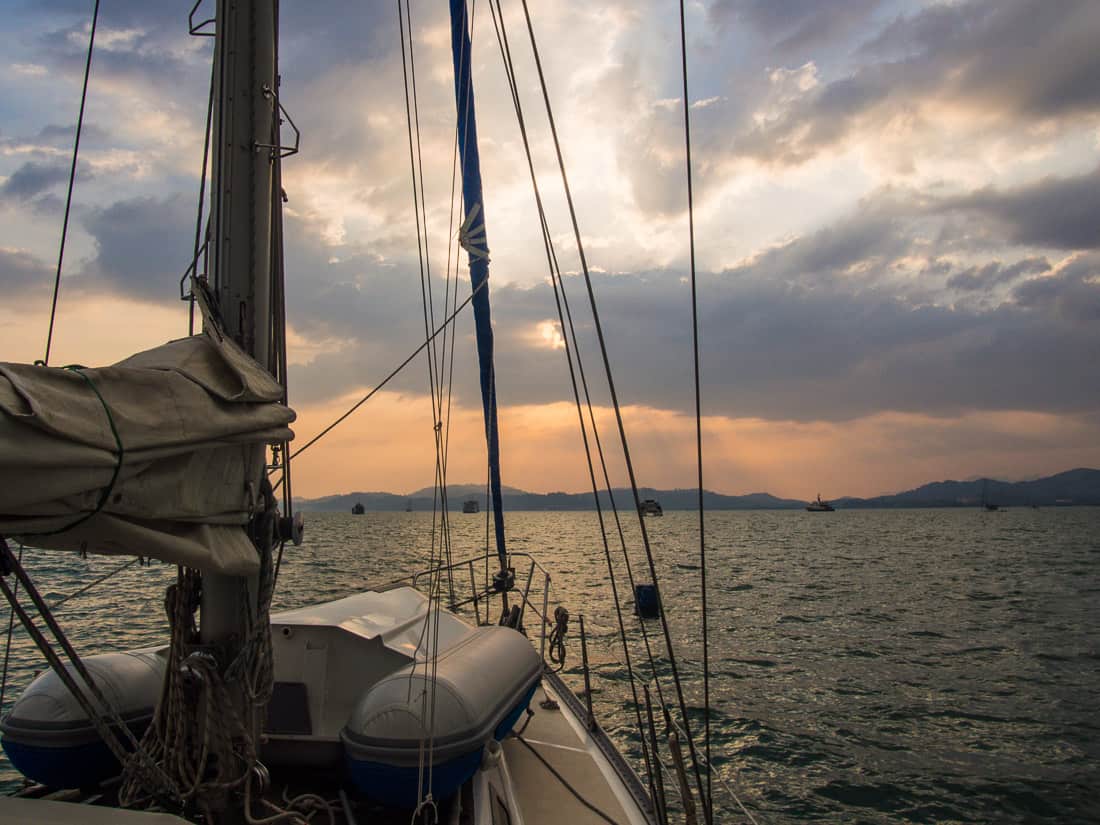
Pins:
x: 515, y: 499
x: 1080, y: 486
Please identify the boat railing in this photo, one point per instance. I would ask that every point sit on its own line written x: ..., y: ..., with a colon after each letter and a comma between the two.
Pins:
x: 483, y: 593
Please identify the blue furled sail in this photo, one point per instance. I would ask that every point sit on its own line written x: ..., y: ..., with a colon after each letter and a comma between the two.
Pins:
x: 472, y: 238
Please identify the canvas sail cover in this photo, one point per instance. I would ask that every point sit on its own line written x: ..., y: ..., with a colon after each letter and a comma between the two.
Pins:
x: 193, y: 418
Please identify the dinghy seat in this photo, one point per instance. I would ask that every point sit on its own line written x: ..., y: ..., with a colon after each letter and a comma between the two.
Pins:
x: 483, y: 683
x: 49, y: 738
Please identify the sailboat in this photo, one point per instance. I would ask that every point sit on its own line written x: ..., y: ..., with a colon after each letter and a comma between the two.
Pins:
x: 380, y: 706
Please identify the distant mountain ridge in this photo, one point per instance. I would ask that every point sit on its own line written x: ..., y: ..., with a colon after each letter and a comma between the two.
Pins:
x: 515, y: 499
x: 1073, y: 487
x: 1080, y: 486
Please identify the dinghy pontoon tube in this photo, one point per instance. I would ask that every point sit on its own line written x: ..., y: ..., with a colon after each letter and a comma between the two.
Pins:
x: 483, y: 685
x: 48, y: 736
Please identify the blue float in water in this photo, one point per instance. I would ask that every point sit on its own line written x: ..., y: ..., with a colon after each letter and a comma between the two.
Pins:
x: 647, y: 604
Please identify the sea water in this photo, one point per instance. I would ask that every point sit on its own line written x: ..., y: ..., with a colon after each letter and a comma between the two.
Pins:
x: 866, y: 666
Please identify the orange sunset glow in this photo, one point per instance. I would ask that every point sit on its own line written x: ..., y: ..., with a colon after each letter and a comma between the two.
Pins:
x: 896, y: 240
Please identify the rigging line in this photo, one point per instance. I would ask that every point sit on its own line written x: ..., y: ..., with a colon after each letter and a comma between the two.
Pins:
x: 606, y: 474
x: 610, y: 490
x: 98, y: 581
x: 509, y: 67
x: 556, y: 272
x: 725, y: 785
x: 389, y: 377
x: 72, y: 180
x: 412, y: 116
x: 564, y: 781
x: 416, y: 166
x: 603, y: 464
x: 420, y: 167
x: 450, y: 298
x: 614, y: 398
x: 554, y: 268
x: 7, y: 646
x: 279, y: 292
x: 708, y: 811
x: 202, y: 195
x: 420, y: 239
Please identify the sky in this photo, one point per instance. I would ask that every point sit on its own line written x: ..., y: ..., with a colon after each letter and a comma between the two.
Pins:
x: 897, y: 214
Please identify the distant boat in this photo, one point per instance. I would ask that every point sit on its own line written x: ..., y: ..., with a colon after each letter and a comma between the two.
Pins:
x: 470, y: 506
x: 820, y: 506
x: 358, y: 509
x: 651, y: 507
x: 408, y: 506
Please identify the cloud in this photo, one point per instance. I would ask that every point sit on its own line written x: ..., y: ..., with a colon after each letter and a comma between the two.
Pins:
x: 21, y: 273
x: 143, y: 246
x: 1069, y: 293
x: 794, y: 24
x: 900, y: 301
x: 994, y: 273
x: 33, y: 179
x: 1058, y: 213
x: 1008, y: 65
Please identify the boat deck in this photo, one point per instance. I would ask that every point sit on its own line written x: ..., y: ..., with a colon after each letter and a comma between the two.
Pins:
x: 551, y: 738
x: 552, y: 735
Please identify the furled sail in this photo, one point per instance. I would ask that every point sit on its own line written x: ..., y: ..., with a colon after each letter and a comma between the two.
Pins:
x: 473, y: 240
x: 159, y: 455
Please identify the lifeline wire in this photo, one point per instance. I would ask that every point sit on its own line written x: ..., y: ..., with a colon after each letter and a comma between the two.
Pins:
x: 72, y: 179
x: 708, y: 812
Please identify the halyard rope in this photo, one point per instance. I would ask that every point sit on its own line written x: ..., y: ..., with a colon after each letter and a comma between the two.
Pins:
x: 706, y: 800
x: 72, y: 180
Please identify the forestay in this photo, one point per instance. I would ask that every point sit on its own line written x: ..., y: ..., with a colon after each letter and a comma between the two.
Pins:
x: 193, y: 418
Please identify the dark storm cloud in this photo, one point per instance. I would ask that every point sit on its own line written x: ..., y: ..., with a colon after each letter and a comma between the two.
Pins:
x: 1014, y: 61
x: 1061, y: 213
x: 1072, y: 295
x: 32, y: 179
x: 142, y: 246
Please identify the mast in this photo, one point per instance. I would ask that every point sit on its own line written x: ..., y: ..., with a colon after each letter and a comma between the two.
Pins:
x: 472, y: 237
x: 241, y: 209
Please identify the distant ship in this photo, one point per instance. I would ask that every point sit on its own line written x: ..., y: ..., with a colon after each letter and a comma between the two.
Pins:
x: 408, y: 506
x: 470, y: 506
x: 358, y: 509
x: 651, y: 507
x: 820, y: 506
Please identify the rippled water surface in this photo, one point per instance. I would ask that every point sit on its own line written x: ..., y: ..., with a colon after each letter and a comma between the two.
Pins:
x: 867, y: 666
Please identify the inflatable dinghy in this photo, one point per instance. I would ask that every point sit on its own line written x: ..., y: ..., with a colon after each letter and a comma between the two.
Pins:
x: 483, y: 684
x: 48, y: 736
